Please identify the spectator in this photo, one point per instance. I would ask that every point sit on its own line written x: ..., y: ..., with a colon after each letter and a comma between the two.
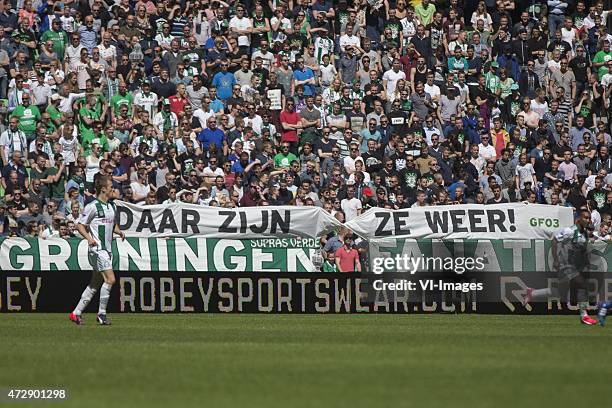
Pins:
x: 438, y: 116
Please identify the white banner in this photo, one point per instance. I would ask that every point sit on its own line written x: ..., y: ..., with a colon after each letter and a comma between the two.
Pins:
x: 183, y: 220
x: 469, y: 221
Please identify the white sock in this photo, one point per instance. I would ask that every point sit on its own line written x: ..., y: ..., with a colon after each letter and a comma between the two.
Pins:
x: 583, y: 308
x: 86, y: 297
x: 541, y: 293
x: 104, y: 295
x: 583, y: 305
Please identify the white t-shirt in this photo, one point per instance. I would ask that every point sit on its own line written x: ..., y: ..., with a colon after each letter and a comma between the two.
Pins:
x: 606, y: 80
x: 139, y: 189
x: 148, y: 102
x: 524, y: 173
x: 350, y: 208
x: 255, y: 123
x: 243, y: 23
x: 486, y: 18
x: 268, y: 58
x: 203, y: 116
x: 93, y: 168
x: 211, y: 174
x: 328, y: 73
x: 162, y: 40
x: 69, y: 146
x: 73, y: 54
x: 13, y: 141
x: 487, y: 152
x: 349, y: 40
x: 392, y: 77
x: 349, y: 164
x: 568, y: 35
x: 553, y: 65
x: 433, y: 91
x: 82, y: 74
x: 539, y: 108
x: 67, y: 23
x: 108, y: 53
x: 285, y: 23
x: 158, y: 121
x: 50, y: 80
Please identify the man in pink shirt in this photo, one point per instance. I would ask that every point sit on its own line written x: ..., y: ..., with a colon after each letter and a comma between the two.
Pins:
x: 347, y: 257
x: 569, y: 169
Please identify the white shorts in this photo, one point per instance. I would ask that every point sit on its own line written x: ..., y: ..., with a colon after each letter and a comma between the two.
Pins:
x: 100, y: 259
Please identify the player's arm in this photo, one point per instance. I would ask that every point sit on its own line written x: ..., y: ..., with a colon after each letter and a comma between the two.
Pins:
x: 554, y: 253
x: 85, y: 234
x: 118, y: 231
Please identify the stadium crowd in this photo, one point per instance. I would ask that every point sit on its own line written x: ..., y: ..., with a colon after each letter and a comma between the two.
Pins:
x: 345, y: 105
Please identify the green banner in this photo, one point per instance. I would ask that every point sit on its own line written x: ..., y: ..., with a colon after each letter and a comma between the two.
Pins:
x: 288, y: 255
x: 159, y: 254
x: 535, y: 255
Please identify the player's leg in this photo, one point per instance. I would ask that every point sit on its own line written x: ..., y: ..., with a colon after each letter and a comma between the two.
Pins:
x: 532, y: 294
x: 109, y: 280
x: 579, y: 285
x: 536, y: 295
x: 86, y: 297
x: 603, y: 311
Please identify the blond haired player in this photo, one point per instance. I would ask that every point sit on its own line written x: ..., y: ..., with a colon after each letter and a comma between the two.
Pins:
x: 97, y: 225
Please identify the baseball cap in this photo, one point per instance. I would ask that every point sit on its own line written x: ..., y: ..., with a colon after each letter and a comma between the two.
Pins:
x: 494, y: 64
x: 166, y: 102
x: 514, y: 87
x: 55, y: 97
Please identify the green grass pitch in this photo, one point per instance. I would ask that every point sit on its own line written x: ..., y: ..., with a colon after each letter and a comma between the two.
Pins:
x: 309, y: 360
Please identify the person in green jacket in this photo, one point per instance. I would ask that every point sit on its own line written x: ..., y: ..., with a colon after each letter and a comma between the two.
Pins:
x: 87, y: 117
x: 285, y: 157
x: 58, y: 36
x: 28, y: 116
x: 123, y: 97
x: 329, y: 265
